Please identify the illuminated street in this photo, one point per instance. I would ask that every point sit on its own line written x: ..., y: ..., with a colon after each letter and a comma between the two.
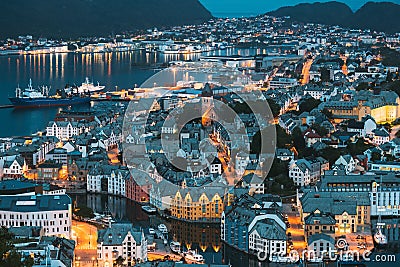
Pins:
x: 296, y: 230
x: 113, y: 156
x: 85, y: 236
x: 306, y: 71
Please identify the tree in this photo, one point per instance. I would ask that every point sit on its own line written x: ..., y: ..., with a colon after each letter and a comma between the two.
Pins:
x: 376, y: 156
x: 283, y: 139
x: 298, y: 139
x: 10, y: 257
x: 5, y: 242
x: 358, y: 147
x: 84, y: 212
x: 308, y: 104
x: 325, y: 75
x: 362, y: 86
x: 330, y: 154
x: 275, y: 108
x: 278, y: 167
x: 119, y: 261
x: 327, y: 113
x: 322, y: 131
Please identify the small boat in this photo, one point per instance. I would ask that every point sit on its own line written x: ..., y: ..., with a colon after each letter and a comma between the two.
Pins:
x: 193, y: 256
x: 163, y: 229
x: 175, y: 247
x: 152, y: 231
x: 149, y: 209
x: 380, y: 239
x: 107, y: 219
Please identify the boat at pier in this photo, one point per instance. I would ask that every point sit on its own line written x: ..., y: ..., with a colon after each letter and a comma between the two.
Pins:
x: 30, y: 97
x: 149, y: 209
x: 88, y: 87
x: 193, y: 257
x: 175, y: 247
x: 163, y: 229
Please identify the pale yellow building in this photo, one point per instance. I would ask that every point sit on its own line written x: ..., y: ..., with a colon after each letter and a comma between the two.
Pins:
x: 382, y: 107
x: 198, y: 204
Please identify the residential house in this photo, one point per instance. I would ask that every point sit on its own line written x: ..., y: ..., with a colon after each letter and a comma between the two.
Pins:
x: 348, y: 162
x: 380, y: 136
x: 249, y: 227
x: 121, y: 240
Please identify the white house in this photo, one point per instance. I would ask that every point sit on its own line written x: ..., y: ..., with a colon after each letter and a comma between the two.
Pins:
x: 14, y: 168
x: 348, y: 162
x: 269, y: 237
x: 121, y: 240
x: 64, y: 130
x: 52, y: 212
x: 380, y: 136
x: 117, y: 182
x: 320, y: 245
x: 300, y: 172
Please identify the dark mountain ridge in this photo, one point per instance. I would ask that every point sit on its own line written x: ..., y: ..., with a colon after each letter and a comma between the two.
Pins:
x: 378, y: 16
x: 73, y: 18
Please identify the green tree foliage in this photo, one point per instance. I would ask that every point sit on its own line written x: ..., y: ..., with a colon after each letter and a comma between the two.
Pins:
x: 278, y: 167
x: 275, y: 108
x: 322, y: 131
x: 375, y: 156
x: 283, y: 139
x: 327, y: 113
x: 308, y: 104
x: 358, y: 147
x: 298, y: 139
x: 362, y: 86
x: 331, y: 154
x: 84, y: 211
x: 325, y: 75
x: 10, y: 257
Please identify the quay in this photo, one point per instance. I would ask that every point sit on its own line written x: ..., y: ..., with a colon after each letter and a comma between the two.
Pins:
x: 6, y: 106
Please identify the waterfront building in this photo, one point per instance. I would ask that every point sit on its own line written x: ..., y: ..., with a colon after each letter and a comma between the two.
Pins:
x: 121, y: 240
x: 78, y: 170
x: 138, y: 186
x: 110, y: 179
x: 198, y: 204
x: 250, y: 227
x: 348, y: 210
x: 52, y: 212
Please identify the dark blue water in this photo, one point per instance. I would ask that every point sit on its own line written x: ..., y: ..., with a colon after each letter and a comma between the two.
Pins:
x: 114, y: 70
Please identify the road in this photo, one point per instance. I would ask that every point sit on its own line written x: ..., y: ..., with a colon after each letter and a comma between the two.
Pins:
x: 296, y: 230
x: 85, y: 236
x: 306, y: 72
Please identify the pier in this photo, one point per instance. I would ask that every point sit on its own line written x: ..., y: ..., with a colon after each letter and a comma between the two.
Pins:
x: 6, y: 106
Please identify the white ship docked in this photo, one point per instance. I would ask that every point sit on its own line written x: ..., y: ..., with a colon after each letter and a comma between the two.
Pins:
x: 89, y: 87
